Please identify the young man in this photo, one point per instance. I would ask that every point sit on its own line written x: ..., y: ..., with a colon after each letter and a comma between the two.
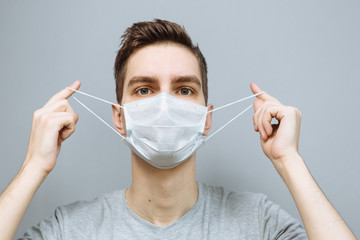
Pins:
x: 161, y: 85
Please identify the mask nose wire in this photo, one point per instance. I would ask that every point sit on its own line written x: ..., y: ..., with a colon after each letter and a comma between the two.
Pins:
x: 227, y: 105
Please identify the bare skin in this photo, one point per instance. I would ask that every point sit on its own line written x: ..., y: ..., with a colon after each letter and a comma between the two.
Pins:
x: 163, y: 196
x: 281, y: 145
x: 52, y: 124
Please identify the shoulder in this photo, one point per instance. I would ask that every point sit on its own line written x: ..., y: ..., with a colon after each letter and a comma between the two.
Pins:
x: 103, y: 203
x: 79, y: 216
x: 223, y: 197
x: 251, y: 213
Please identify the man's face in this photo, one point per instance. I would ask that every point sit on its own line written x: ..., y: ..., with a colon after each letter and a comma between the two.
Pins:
x: 158, y: 68
x: 166, y: 67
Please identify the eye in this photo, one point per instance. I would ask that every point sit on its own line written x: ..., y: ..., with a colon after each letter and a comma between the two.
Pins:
x: 185, y: 91
x: 143, y: 91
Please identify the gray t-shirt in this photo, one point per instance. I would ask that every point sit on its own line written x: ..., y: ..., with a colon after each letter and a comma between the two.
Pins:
x: 217, y: 214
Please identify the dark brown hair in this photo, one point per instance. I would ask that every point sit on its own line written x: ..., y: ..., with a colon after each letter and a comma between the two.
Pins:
x: 142, y: 34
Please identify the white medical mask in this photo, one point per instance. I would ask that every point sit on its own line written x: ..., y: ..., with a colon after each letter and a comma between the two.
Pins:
x: 164, y: 130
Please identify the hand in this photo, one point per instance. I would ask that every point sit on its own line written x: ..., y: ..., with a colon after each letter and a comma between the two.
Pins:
x: 281, y: 140
x: 52, y: 124
x: 280, y: 143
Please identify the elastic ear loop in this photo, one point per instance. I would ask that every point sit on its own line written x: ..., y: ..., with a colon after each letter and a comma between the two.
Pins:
x: 229, y: 104
x: 82, y: 104
x: 224, y: 106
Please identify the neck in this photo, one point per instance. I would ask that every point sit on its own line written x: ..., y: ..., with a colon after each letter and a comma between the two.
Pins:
x: 162, y: 196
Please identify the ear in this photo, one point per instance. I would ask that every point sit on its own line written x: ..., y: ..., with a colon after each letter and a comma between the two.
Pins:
x: 208, y: 120
x: 118, y: 119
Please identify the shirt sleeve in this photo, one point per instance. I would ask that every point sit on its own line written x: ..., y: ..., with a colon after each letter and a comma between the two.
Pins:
x: 46, y: 229
x: 275, y: 223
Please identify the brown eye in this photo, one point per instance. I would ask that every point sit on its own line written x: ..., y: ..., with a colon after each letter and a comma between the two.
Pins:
x: 185, y: 91
x: 143, y: 91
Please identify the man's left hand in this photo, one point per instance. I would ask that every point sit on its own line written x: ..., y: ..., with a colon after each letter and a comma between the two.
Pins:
x: 279, y: 141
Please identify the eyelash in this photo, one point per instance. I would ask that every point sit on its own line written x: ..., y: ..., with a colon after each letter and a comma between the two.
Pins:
x: 187, y: 88
x: 137, y: 91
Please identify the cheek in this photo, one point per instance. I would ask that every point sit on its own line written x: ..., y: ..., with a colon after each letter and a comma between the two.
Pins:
x: 123, y: 118
x: 125, y: 99
x: 201, y: 99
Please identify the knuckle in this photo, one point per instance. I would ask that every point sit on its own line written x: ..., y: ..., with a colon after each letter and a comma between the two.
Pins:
x: 64, y: 102
x: 299, y: 113
x: 294, y: 111
x: 71, y: 118
x: 37, y: 114
x: 290, y: 109
x: 68, y: 116
x: 257, y: 103
x: 43, y: 118
x: 76, y: 117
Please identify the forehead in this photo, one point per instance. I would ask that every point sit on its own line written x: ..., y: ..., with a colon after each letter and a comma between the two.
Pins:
x: 162, y: 60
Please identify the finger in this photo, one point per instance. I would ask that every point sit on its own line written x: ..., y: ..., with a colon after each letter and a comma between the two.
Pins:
x: 257, y: 105
x: 59, y: 106
x: 64, y: 94
x: 264, y: 96
x: 260, y: 124
x: 266, y: 119
x: 266, y: 116
x: 68, y: 129
x: 277, y: 111
x: 55, y: 120
x: 63, y: 122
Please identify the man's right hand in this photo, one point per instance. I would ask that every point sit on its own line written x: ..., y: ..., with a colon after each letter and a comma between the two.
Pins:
x: 52, y: 124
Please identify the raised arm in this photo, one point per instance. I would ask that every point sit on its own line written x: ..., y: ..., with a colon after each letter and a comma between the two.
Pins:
x: 280, y: 144
x: 52, y: 124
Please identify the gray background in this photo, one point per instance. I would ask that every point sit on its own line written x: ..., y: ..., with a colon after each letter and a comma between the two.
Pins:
x: 306, y: 53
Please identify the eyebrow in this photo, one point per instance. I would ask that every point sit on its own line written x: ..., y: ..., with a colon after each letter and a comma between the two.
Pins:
x: 141, y: 79
x: 187, y: 79
x: 177, y: 79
